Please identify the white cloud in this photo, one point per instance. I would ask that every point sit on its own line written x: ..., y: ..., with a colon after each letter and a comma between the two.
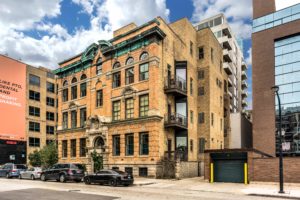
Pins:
x: 249, y: 58
x: 280, y: 4
x: 57, y: 43
x: 237, y: 11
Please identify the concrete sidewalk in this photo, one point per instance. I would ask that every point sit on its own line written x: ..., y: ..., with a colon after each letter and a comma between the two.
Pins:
x: 263, y: 189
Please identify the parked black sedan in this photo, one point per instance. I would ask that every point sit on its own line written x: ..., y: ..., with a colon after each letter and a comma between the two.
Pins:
x: 111, y: 177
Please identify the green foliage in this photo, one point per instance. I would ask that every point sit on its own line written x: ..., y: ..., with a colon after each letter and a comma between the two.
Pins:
x: 45, y: 158
x: 98, y: 161
x: 35, y: 159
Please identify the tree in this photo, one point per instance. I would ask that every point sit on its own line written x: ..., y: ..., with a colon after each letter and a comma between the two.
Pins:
x: 35, y: 159
x: 97, y: 160
x: 49, y: 155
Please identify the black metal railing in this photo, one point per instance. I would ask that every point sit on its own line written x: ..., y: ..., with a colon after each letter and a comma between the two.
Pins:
x: 179, y: 154
x: 176, y: 83
x: 176, y: 119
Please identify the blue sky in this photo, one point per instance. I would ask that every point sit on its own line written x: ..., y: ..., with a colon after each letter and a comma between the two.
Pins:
x: 45, y: 32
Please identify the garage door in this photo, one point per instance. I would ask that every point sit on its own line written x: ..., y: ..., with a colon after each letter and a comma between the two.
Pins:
x: 229, y: 171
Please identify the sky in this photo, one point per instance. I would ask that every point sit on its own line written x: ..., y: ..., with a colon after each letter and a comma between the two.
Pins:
x: 45, y: 32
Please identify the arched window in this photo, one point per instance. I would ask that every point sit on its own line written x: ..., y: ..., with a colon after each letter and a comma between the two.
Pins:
x: 74, y: 80
x: 116, y: 65
x: 144, y: 56
x: 99, y: 143
x: 99, y: 66
x: 83, y: 77
x: 65, y: 83
x: 129, y: 61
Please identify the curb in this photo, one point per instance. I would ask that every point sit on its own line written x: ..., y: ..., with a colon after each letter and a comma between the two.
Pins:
x: 142, y: 184
x: 275, y: 196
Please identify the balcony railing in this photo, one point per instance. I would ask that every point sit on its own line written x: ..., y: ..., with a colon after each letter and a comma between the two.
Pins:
x: 176, y: 85
x: 180, y: 154
x: 175, y: 120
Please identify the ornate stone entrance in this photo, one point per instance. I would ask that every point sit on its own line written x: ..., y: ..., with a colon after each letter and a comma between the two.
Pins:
x: 97, y: 133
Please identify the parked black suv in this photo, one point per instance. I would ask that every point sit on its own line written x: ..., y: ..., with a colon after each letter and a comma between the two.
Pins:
x: 64, y: 172
x: 10, y: 170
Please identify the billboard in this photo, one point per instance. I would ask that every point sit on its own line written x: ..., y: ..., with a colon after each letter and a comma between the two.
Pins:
x: 12, y: 99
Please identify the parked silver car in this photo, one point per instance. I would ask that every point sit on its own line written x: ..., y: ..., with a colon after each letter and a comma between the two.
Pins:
x: 32, y: 173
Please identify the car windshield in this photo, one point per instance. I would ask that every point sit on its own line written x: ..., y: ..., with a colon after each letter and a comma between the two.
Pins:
x: 20, y: 167
x: 76, y: 166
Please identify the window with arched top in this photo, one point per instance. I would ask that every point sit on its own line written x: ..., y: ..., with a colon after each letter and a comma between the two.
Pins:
x: 74, y: 80
x: 116, y: 65
x: 144, y: 56
x: 99, y: 66
x: 83, y: 77
x: 99, y: 143
x: 129, y: 61
x: 65, y: 83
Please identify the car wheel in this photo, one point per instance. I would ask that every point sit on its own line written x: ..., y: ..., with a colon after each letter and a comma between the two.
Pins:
x: 20, y: 176
x: 32, y: 177
x: 43, y: 177
x: 113, y: 182
x: 62, y: 178
x: 87, y: 181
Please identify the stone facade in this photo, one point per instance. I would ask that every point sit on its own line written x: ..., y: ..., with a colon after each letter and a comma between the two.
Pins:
x: 41, y: 136
x: 163, y: 127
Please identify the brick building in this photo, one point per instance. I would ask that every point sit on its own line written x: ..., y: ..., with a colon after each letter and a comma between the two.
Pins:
x: 151, y: 93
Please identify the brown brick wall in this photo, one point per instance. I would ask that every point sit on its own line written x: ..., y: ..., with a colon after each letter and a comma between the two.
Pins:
x: 263, y: 7
x: 267, y: 169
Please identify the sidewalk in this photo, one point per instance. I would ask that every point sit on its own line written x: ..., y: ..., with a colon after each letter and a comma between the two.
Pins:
x: 264, y: 189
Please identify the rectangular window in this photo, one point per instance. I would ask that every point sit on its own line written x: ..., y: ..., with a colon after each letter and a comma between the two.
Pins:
x: 34, y: 80
x: 191, y: 86
x: 129, y: 142
x: 201, y: 91
x: 201, y: 52
x: 33, y: 95
x: 129, y: 106
x: 34, y: 111
x: 200, y: 74
x: 192, y: 116
x: 34, y: 126
x: 64, y: 148
x: 65, y: 120
x: 82, y: 147
x: 221, y: 124
x: 191, y: 145
x: 50, y: 101
x: 50, y: 129
x: 73, y: 148
x: 116, y: 145
x: 49, y: 142
x: 99, y: 68
x: 73, y: 119
x: 116, y: 79
x: 50, y: 75
x: 82, y: 116
x: 50, y: 87
x: 144, y: 143
x: 129, y: 76
x: 65, y: 95
x: 144, y: 105
x: 191, y: 47
x: 144, y: 71
x: 143, y: 171
x: 116, y: 110
x: 99, y: 98
x: 201, y: 118
x: 74, y: 92
x: 34, y: 142
x: 201, y: 145
x: 212, y: 55
x: 212, y: 119
x: 82, y: 89
x: 50, y: 116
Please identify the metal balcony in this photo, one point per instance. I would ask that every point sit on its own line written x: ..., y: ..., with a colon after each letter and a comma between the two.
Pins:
x: 227, y: 56
x: 244, y: 75
x: 244, y: 85
x: 175, y: 120
x: 176, y: 86
x: 244, y: 66
x: 227, y: 67
x: 244, y: 94
x: 229, y: 83
x: 244, y: 103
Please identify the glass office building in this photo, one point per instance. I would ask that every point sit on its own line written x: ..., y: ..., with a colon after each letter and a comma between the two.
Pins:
x: 287, y: 77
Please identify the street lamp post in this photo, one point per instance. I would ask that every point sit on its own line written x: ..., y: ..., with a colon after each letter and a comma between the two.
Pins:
x: 276, y: 89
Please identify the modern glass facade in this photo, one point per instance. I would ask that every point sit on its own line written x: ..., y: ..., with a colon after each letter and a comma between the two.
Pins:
x: 287, y: 77
x: 275, y: 19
